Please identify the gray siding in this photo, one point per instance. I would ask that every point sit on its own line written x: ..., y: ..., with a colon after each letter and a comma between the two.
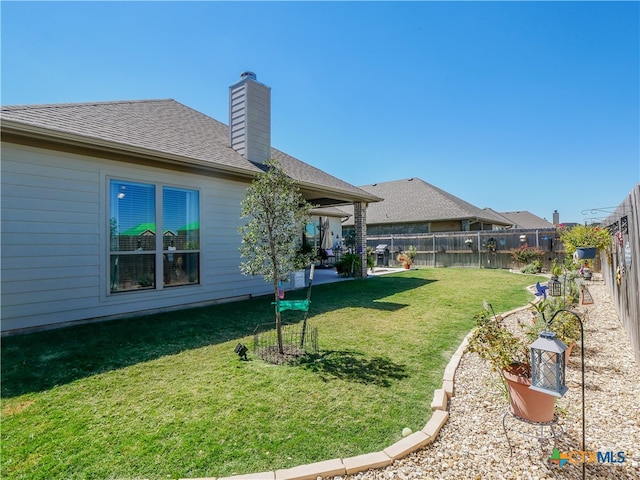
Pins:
x: 55, y: 240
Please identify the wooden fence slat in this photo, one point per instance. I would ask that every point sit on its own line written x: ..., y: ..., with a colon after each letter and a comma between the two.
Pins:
x: 621, y: 270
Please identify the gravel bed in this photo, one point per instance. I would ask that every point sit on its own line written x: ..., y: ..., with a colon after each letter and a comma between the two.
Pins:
x: 473, y: 445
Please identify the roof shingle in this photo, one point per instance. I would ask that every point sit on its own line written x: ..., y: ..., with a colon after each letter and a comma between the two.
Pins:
x: 414, y: 200
x: 165, y: 127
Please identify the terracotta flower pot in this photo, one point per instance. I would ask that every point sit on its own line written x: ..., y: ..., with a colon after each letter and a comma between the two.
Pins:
x: 526, y: 403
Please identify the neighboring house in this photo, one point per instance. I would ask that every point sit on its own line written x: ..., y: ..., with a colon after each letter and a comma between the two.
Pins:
x: 524, y: 220
x: 413, y: 206
x: 85, y: 188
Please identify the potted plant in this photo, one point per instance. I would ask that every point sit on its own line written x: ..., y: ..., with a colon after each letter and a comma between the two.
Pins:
x: 127, y: 282
x: 585, y: 270
x: 584, y: 240
x: 407, y: 256
x: 555, y: 270
x: 508, y: 355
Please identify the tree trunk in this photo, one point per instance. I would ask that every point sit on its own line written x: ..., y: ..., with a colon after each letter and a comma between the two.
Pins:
x: 278, y: 320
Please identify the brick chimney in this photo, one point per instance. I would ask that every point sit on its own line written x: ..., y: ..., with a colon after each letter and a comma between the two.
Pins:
x: 250, y: 118
x: 556, y: 218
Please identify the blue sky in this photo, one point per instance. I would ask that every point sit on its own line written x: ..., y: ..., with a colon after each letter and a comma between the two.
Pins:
x: 508, y: 105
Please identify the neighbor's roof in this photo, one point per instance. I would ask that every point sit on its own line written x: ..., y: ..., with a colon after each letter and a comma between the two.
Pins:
x: 414, y: 200
x: 162, y: 130
x: 526, y: 220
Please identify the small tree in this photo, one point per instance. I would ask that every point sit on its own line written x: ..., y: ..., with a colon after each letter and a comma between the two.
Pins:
x: 278, y: 214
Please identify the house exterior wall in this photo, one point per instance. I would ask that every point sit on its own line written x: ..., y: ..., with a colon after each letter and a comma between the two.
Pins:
x: 55, y: 240
x: 393, y: 228
x: 313, y: 231
x: 337, y: 239
x: 449, y: 226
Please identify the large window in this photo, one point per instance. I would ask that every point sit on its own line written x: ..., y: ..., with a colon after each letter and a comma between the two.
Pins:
x: 154, y: 236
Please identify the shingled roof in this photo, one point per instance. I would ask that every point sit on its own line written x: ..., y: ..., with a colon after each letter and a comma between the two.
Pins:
x: 526, y: 220
x: 414, y: 200
x: 163, y: 130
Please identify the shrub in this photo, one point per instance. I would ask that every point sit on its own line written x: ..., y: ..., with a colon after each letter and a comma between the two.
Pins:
x: 349, y: 265
x: 533, y: 267
x: 371, y: 257
x: 526, y: 254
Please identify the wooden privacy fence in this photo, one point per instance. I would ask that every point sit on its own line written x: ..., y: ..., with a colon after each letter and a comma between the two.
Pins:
x: 620, y: 267
x: 480, y: 249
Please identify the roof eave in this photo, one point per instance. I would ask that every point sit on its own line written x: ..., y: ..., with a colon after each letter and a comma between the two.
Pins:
x: 21, y: 133
x: 335, y: 197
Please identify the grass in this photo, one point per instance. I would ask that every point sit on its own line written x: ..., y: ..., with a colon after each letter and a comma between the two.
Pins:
x: 165, y: 396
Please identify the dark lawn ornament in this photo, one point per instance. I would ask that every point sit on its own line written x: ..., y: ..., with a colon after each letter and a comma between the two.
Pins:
x: 241, y: 350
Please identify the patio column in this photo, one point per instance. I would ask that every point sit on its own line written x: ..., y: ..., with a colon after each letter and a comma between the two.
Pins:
x: 360, y: 223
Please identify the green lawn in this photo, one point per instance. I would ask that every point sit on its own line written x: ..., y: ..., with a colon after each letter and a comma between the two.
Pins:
x: 165, y: 396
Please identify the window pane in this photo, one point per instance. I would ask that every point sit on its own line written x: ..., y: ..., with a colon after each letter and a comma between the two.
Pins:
x: 133, y: 220
x: 181, y: 236
x: 132, y: 272
x: 181, y: 218
x: 181, y: 269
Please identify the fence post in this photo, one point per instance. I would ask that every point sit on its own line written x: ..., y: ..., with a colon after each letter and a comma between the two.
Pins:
x: 433, y: 249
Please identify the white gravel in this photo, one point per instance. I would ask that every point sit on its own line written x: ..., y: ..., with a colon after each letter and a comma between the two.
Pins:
x: 473, y: 444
